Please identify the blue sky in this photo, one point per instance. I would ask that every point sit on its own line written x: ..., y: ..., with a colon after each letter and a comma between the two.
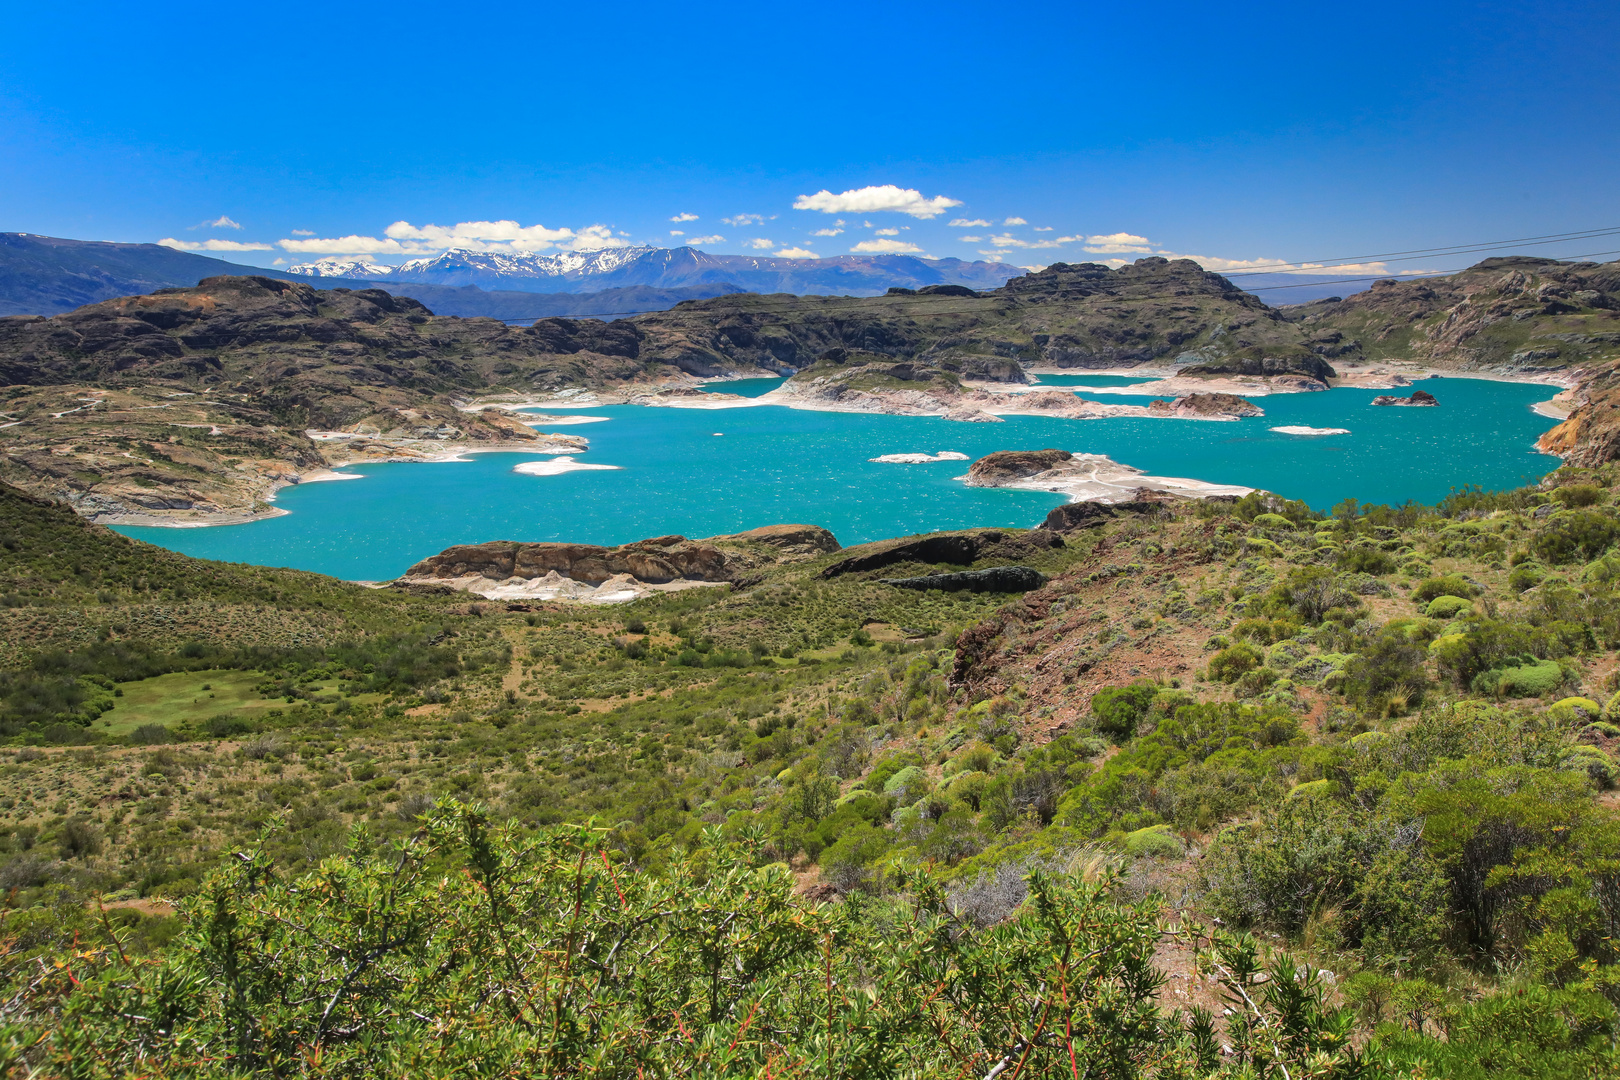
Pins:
x: 1069, y: 131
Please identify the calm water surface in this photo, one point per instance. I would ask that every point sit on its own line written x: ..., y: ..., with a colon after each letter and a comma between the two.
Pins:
x: 769, y: 464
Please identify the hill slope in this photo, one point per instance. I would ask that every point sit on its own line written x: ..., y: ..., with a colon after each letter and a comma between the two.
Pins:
x: 45, y: 275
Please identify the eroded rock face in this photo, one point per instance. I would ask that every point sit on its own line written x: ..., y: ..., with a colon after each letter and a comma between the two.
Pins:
x: 1267, y: 363
x: 995, y: 470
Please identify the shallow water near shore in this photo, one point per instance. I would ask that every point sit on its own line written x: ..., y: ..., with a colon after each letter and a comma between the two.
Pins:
x: 771, y: 465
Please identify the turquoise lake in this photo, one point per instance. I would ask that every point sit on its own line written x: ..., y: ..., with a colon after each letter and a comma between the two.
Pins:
x: 772, y: 465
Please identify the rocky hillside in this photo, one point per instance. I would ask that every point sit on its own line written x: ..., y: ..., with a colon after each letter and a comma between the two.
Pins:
x: 1512, y: 314
x: 205, y: 399
x: 1085, y: 316
x: 47, y: 275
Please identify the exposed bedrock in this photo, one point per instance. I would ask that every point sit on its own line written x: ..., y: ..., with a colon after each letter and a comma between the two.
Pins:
x: 956, y: 548
x: 1005, y: 579
x: 656, y: 561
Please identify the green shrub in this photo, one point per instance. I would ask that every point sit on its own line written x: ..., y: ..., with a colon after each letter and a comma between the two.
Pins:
x: 1117, y: 710
x: 1153, y: 842
x: 1574, y: 712
x: 1314, y: 788
x: 908, y: 785
x: 1366, y: 559
x: 1577, y: 496
x: 1233, y: 662
x: 1535, y: 678
x: 1526, y: 576
x: 1272, y: 521
x: 1596, y: 764
x: 1537, y: 1033
x: 1574, y: 536
x: 1450, y: 585
x: 1446, y: 607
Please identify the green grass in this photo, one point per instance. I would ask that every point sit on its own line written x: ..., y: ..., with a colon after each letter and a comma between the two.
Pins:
x: 184, y: 696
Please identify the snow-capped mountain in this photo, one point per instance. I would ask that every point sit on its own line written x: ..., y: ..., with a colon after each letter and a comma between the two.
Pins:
x: 462, y: 267
x: 665, y: 268
x: 342, y: 268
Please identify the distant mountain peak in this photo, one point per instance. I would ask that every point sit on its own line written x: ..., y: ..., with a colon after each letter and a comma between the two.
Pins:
x: 342, y: 268
x: 684, y: 267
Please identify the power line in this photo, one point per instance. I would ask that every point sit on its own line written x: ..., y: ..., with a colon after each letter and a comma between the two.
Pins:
x: 1402, y: 256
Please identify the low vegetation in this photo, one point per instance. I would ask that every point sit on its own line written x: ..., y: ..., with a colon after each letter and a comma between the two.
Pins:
x: 1244, y: 789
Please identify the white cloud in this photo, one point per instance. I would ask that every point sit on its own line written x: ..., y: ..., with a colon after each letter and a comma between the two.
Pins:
x: 796, y: 253
x: 694, y: 241
x: 743, y: 219
x: 876, y: 199
x: 886, y: 247
x: 1118, y: 244
x: 969, y: 223
x: 828, y: 232
x: 888, y: 232
x: 403, y: 238
x: 303, y: 232
x: 678, y: 218
x: 1005, y: 240
x: 1015, y: 221
x: 972, y: 239
x: 351, y: 245
x: 221, y: 222
x: 1043, y: 228
x: 676, y: 232
x: 760, y: 243
x: 212, y: 245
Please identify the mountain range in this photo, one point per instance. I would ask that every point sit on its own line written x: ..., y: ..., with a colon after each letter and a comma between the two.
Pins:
x: 682, y: 267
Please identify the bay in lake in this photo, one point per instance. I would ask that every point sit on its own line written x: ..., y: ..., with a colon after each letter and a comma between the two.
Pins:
x: 769, y: 465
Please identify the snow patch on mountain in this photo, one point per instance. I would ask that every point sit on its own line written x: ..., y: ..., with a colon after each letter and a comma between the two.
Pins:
x: 520, y: 264
x: 342, y: 268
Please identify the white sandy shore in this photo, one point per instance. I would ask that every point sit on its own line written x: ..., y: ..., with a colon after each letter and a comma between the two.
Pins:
x: 558, y: 466
x: 1299, y: 429
x: 544, y: 420
x: 920, y: 459
x: 153, y: 521
x: 321, y: 476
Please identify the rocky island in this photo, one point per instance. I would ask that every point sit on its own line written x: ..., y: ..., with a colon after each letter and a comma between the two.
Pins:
x: 1421, y: 398
x: 1086, y: 477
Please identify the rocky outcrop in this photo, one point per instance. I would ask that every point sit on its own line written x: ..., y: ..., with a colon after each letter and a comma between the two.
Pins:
x: 1209, y: 407
x: 1002, y: 579
x: 1419, y: 397
x: 1259, y: 362
x: 1075, y: 516
x: 957, y: 548
x: 1004, y: 466
x: 510, y: 569
x: 1085, y: 477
